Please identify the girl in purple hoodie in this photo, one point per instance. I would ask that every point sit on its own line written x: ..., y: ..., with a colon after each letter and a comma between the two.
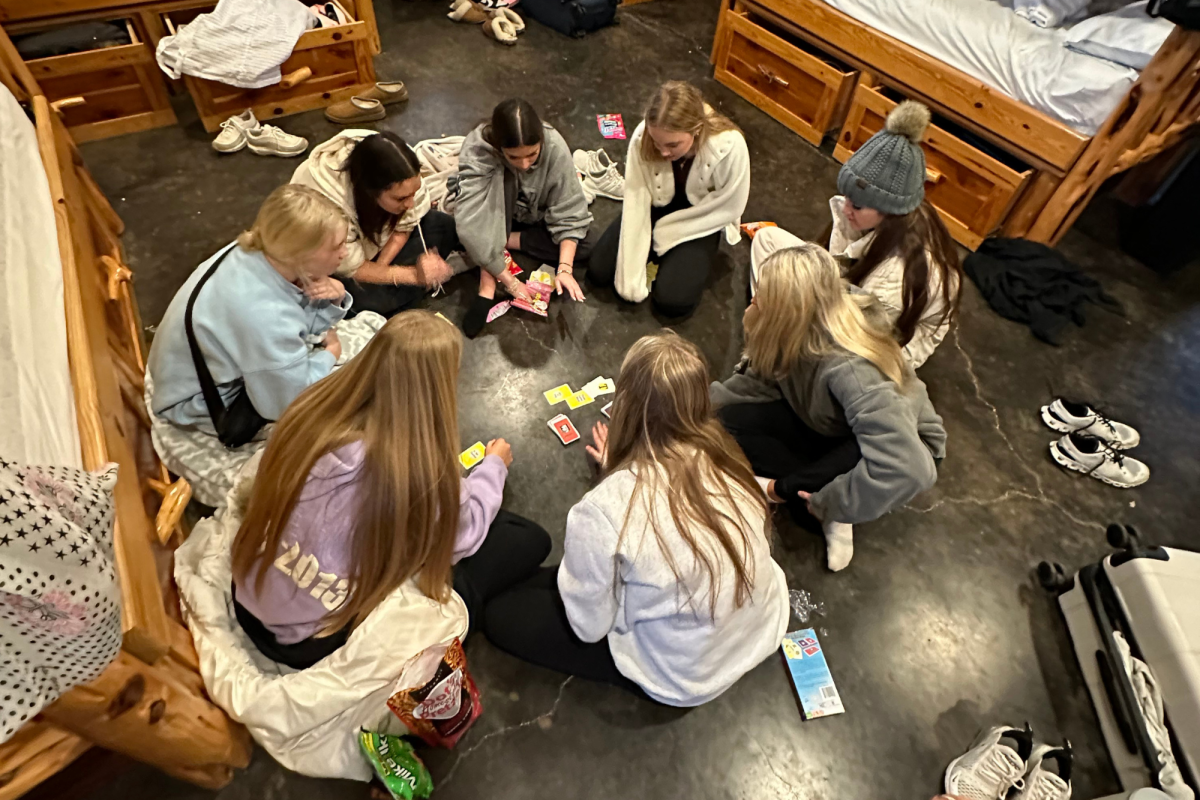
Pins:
x: 360, y: 491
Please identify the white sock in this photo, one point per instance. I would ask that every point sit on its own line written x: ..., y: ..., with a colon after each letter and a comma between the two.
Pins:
x: 839, y: 542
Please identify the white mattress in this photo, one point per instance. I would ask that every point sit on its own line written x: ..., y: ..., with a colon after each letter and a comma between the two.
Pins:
x: 992, y: 44
x: 37, y: 404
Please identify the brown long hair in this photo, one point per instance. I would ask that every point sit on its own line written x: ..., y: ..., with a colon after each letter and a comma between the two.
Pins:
x: 679, y: 106
x: 802, y: 311
x: 399, y: 397
x: 664, y: 430
x: 914, y: 237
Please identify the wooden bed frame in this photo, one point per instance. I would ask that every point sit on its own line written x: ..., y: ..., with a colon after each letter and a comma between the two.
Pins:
x: 150, y: 703
x: 758, y: 40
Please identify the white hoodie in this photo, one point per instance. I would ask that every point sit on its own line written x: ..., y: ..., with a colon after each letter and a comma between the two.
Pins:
x: 718, y: 187
x: 659, y: 629
x: 325, y: 170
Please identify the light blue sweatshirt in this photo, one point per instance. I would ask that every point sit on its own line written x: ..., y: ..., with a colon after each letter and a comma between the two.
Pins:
x: 253, y: 326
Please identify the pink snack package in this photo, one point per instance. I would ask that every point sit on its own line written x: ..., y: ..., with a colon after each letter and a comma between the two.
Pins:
x: 611, y: 126
x: 540, y: 292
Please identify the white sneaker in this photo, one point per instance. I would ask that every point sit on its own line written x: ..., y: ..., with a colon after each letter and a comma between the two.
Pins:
x: 267, y: 140
x: 233, y: 132
x: 990, y: 769
x: 1040, y: 783
x: 1061, y: 416
x: 599, y: 173
x: 588, y: 194
x: 839, y: 544
x: 1089, y: 455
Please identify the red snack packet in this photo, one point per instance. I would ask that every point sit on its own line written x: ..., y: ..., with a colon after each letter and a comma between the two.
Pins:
x: 512, y: 266
x: 436, y: 697
x: 751, y: 228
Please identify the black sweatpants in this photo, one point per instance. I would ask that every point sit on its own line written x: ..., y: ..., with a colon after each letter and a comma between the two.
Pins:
x: 537, y: 243
x: 514, y: 549
x: 389, y: 299
x: 781, y: 447
x: 529, y: 621
x: 682, y: 270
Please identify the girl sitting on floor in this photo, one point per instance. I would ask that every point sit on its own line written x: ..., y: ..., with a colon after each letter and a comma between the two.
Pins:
x: 889, y: 240
x: 262, y: 312
x: 396, y: 243
x: 667, y: 586
x: 828, y: 410
x: 360, y: 492
x: 518, y: 189
x: 687, y: 179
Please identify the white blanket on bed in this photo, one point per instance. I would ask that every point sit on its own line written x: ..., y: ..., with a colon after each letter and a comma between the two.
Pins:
x: 992, y: 44
x: 37, y: 403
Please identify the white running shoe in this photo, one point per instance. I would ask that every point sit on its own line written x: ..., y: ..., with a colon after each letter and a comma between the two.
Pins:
x: 839, y: 544
x: 233, y: 132
x: 1067, y: 417
x: 990, y: 768
x: 267, y: 140
x: 588, y: 194
x: 1040, y: 783
x: 1091, y: 456
x: 599, y: 173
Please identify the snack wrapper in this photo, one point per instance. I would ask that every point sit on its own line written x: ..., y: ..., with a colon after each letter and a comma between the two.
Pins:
x: 436, y: 696
x: 540, y: 292
x: 751, y: 228
x: 398, y: 767
x: 611, y: 126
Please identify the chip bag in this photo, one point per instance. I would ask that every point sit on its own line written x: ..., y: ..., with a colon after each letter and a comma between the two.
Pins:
x: 540, y: 294
x: 435, y: 695
x: 398, y: 767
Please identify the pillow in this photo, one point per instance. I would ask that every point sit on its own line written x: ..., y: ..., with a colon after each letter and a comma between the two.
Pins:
x: 1129, y: 36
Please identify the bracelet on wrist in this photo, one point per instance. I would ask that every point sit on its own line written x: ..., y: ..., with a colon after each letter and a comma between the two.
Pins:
x: 565, y: 267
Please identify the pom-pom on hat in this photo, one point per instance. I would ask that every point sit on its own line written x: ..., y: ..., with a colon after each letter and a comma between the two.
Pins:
x: 888, y: 172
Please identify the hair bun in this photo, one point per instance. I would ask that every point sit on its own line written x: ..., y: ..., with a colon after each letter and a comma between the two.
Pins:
x: 909, y: 119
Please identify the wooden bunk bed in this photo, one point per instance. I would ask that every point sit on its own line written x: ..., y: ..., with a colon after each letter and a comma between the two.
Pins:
x: 819, y: 70
x: 150, y: 703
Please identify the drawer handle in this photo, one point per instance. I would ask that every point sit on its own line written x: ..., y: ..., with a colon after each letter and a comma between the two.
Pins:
x: 68, y: 102
x: 118, y: 274
x: 772, y: 77
x: 295, y: 78
x: 933, y: 176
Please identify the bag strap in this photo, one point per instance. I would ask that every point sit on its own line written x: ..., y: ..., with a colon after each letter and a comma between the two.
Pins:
x: 208, y: 387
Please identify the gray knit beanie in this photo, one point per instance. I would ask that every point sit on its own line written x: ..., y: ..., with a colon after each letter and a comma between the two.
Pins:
x: 888, y: 171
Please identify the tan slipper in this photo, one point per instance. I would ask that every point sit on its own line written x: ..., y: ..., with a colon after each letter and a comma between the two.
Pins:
x: 468, y: 12
x: 512, y: 16
x: 354, y: 110
x: 500, y: 29
x: 386, y: 92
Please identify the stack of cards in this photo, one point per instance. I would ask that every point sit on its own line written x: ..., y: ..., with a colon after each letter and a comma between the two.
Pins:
x: 564, y: 429
x: 472, y: 455
x: 540, y: 292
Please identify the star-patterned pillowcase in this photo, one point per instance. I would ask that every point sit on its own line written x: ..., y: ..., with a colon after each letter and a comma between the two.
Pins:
x: 60, y: 603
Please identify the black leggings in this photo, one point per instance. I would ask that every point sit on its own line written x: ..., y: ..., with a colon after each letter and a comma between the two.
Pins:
x: 512, y: 551
x: 682, y: 270
x: 388, y: 299
x: 780, y: 446
x: 530, y: 622
x: 537, y: 243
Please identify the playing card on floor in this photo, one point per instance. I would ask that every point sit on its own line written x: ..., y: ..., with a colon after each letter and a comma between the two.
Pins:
x: 557, y: 394
x: 580, y: 398
x: 607, y: 410
x: 563, y: 429
x: 472, y: 455
x: 599, y: 386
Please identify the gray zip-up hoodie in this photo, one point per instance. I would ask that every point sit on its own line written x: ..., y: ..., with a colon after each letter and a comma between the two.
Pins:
x: 492, y: 194
x: 897, y: 429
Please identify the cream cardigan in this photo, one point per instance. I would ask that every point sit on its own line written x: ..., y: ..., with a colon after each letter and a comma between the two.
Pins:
x: 718, y: 187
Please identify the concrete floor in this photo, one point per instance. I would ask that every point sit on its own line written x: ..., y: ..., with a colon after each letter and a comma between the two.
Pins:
x: 937, y: 628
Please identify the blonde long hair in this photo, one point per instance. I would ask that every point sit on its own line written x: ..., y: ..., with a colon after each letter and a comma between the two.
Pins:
x: 664, y: 430
x: 399, y: 397
x: 679, y: 106
x: 802, y: 311
x: 292, y: 222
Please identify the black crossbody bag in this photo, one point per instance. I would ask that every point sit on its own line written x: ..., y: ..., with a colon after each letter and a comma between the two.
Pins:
x: 240, y: 422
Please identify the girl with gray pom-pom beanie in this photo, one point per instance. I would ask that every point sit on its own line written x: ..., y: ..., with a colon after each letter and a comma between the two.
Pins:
x: 888, y: 239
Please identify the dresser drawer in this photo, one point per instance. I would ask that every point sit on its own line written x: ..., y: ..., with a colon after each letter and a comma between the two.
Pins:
x: 971, y: 189
x: 800, y: 89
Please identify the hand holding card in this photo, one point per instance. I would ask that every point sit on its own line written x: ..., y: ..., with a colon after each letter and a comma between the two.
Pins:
x: 472, y: 455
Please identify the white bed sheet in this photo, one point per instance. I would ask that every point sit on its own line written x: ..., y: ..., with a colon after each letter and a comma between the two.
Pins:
x: 992, y: 44
x: 37, y: 403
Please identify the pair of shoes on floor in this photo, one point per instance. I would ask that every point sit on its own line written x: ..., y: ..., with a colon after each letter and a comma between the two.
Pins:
x: 244, y: 130
x: 1094, y: 444
x: 368, y: 106
x: 498, y: 20
x: 599, y: 175
x: 1006, y: 759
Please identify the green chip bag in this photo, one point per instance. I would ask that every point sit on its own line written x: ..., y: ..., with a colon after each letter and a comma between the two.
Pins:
x: 400, y: 769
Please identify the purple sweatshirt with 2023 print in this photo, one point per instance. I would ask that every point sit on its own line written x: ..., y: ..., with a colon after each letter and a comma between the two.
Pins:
x: 308, y: 579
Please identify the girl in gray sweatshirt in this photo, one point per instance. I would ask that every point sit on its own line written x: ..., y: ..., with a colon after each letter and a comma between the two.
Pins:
x: 828, y: 411
x: 518, y: 189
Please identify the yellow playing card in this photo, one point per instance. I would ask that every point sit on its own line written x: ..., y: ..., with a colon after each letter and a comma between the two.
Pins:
x: 580, y: 398
x: 651, y: 273
x: 557, y: 394
x: 472, y: 455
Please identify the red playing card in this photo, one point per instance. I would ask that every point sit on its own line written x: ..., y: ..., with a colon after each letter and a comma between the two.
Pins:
x: 563, y: 428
